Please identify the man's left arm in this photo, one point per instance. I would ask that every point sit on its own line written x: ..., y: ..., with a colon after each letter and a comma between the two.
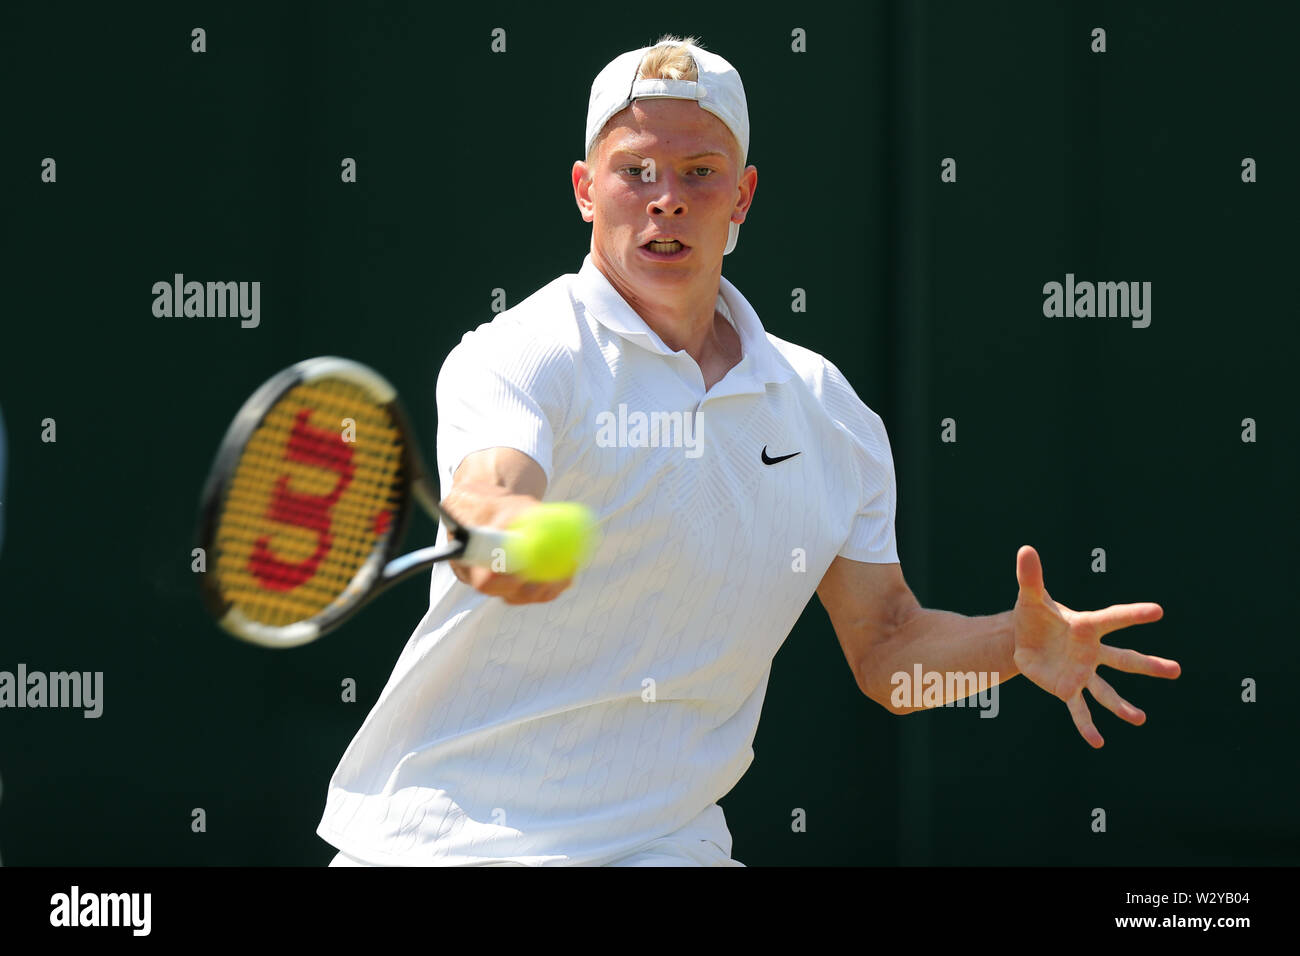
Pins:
x: 884, y: 631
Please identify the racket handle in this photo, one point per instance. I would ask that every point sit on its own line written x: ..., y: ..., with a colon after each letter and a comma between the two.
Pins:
x: 486, y: 546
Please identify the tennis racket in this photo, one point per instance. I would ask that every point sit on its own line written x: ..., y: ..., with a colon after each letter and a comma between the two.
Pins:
x: 307, y: 502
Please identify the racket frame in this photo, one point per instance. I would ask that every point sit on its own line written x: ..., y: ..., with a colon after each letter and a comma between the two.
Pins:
x: 384, y: 567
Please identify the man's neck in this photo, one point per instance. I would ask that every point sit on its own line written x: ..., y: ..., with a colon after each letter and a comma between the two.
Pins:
x: 688, y: 322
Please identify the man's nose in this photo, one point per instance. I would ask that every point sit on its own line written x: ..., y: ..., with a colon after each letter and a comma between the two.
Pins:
x: 669, y: 201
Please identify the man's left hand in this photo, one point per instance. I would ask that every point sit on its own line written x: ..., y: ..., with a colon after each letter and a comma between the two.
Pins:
x: 1059, y: 649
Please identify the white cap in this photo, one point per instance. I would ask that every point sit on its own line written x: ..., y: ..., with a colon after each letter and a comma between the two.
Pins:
x: 717, y: 90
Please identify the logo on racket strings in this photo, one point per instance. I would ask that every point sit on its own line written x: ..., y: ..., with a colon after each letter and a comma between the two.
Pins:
x: 321, y: 449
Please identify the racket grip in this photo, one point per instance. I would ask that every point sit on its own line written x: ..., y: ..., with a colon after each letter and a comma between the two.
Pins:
x: 486, y: 547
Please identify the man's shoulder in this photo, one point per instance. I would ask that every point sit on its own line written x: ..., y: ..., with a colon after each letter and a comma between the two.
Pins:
x: 811, y: 367
x: 549, y: 313
x: 827, y: 384
x: 541, y: 331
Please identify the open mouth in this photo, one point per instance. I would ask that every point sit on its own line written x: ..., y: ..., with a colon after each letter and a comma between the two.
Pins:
x: 665, y: 247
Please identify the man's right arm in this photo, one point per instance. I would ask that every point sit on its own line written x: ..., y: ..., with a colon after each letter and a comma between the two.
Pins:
x: 489, y: 489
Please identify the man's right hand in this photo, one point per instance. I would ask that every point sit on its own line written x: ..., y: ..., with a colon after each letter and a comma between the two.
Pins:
x: 489, y: 490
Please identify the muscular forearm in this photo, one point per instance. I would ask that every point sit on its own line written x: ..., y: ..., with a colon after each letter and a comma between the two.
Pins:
x: 944, y: 643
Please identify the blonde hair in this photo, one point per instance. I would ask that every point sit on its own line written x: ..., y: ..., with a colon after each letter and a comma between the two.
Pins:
x: 669, y: 59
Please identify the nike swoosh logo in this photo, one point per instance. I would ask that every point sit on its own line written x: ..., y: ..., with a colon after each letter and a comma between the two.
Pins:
x: 773, y: 461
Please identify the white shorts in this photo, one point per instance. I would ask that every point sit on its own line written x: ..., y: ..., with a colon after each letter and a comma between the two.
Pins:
x: 685, y: 847
x: 659, y: 853
x: 674, y: 852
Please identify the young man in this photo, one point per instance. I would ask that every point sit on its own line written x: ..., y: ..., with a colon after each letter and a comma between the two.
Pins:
x: 597, y: 721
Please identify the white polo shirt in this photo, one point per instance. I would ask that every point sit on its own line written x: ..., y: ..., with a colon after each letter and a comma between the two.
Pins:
x: 577, y: 731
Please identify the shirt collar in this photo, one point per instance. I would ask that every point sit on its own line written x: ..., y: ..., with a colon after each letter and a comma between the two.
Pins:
x: 606, y: 306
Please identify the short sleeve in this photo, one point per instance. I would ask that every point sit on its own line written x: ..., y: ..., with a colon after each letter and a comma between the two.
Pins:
x: 502, y: 387
x: 871, y: 537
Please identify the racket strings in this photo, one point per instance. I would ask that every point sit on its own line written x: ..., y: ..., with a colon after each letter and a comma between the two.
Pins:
x: 315, y: 494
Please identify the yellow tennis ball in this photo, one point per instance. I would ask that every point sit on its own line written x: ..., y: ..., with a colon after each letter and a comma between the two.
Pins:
x: 552, y: 540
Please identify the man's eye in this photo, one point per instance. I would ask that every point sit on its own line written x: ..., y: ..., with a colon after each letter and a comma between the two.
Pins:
x: 634, y: 170
x: 703, y: 171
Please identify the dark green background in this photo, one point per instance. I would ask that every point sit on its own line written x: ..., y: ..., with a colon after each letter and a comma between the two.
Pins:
x: 1073, y: 433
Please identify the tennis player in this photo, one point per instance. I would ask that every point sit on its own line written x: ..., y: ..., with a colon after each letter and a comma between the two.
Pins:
x: 597, y: 721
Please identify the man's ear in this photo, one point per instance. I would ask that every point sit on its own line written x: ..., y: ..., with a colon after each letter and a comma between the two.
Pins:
x: 745, y: 194
x: 582, y: 190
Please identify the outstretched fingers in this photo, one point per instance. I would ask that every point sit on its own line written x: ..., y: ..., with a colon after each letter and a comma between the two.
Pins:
x: 1132, y: 662
x: 1029, y: 572
x: 1083, y: 720
x: 1117, y: 705
x: 1119, y: 616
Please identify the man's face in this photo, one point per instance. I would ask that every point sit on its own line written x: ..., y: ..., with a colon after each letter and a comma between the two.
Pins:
x: 652, y: 236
